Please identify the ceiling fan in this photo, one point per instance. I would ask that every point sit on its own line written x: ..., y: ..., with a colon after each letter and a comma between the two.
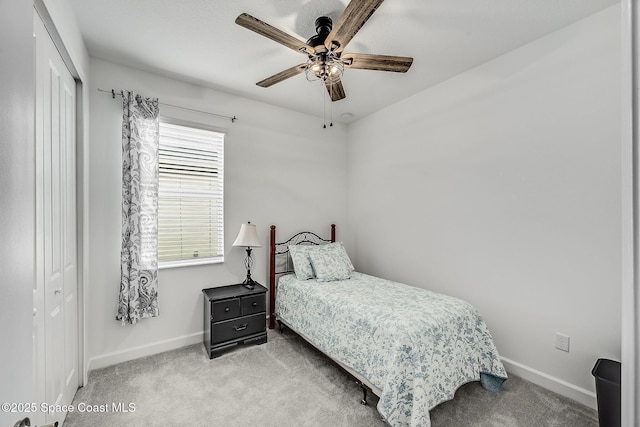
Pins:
x: 325, y: 50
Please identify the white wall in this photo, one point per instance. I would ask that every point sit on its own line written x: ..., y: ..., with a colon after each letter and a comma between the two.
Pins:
x: 502, y: 186
x: 17, y: 194
x: 281, y: 168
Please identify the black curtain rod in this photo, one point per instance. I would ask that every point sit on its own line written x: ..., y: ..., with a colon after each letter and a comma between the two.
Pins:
x: 119, y: 93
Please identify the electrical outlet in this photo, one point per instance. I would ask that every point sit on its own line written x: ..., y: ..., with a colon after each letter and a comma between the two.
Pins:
x: 562, y: 342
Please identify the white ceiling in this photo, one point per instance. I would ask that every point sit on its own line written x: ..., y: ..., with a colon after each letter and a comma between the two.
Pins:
x: 198, y: 41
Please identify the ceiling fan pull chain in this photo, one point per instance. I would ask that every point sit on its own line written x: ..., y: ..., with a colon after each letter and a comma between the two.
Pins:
x: 324, y: 110
x: 331, y: 107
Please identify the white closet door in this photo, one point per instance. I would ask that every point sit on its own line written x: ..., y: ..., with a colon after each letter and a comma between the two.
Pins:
x: 55, y: 292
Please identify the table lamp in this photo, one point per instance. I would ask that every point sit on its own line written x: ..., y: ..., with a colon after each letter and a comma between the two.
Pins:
x: 248, y: 237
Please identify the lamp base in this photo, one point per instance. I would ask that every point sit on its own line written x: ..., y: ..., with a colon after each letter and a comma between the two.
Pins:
x: 249, y: 283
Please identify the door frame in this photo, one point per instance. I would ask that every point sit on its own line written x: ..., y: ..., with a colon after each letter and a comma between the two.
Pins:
x: 630, y: 192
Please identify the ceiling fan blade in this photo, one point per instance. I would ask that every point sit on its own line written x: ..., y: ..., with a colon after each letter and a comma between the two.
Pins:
x: 336, y: 91
x: 279, y: 36
x: 282, y: 75
x: 350, y: 22
x: 364, y: 61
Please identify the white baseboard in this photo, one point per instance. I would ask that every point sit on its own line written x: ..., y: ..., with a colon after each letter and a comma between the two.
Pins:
x: 116, y: 357
x: 563, y: 388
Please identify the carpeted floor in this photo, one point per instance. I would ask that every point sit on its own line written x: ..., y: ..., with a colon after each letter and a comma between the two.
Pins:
x: 286, y: 382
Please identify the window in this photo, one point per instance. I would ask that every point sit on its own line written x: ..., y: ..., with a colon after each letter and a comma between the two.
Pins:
x: 190, y: 195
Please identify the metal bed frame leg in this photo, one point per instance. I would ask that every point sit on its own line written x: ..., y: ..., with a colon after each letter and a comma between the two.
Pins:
x: 364, y: 392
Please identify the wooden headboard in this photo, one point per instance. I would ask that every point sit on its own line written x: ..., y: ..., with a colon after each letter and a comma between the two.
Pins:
x: 280, y: 252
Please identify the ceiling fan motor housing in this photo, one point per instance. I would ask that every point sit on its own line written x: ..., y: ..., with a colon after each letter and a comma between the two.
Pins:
x: 324, y: 24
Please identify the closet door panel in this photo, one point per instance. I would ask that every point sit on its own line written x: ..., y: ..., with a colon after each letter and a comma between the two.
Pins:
x: 68, y: 103
x: 54, y: 278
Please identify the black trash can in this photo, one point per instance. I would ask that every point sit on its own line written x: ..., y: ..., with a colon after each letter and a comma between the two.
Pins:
x: 607, y: 373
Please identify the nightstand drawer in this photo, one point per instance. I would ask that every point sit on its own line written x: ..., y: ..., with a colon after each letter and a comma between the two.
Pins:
x: 237, y: 328
x: 253, y: 304
x: 226, y: 309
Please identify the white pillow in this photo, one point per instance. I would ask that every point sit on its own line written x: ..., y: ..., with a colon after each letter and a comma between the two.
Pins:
x: 330, y: 262
x: 301, y: 262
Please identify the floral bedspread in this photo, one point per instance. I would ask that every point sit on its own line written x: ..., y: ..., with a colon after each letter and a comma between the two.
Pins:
x: 418, y: 347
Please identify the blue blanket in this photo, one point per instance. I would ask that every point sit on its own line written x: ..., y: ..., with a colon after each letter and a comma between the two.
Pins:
x: 418, y: 347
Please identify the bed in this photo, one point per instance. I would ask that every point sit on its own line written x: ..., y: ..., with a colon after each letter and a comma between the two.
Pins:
x: 412, y: 347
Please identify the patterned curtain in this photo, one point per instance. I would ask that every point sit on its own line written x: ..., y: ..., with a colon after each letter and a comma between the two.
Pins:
x: 139, y: 255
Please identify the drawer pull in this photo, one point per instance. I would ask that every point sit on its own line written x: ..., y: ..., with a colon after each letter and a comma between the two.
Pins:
x: 241, y: 327
x: 226, y: 309
x: 255, y: 304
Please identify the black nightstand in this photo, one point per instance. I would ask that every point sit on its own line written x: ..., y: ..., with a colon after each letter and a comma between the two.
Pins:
x: 234, y: 315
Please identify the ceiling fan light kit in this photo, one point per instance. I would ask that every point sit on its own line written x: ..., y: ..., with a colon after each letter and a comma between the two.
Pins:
x: 324, y: 50
x: 325, y: 68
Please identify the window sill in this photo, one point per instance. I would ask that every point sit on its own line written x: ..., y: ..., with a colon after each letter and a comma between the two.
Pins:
x: 189, y: 263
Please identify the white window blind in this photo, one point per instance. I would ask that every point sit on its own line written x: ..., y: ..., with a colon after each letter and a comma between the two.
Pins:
x: 190, y: 195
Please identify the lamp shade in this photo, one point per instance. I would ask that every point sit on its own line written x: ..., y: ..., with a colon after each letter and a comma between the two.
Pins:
x: 247, y: 237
